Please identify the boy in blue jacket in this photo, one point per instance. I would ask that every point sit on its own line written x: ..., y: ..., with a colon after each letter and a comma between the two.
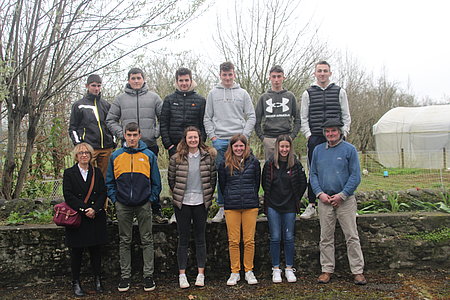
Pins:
x: 133, y: 183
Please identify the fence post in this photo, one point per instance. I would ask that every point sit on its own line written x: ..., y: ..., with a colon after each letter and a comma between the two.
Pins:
x: 402, y: 154
x: 444, y: 155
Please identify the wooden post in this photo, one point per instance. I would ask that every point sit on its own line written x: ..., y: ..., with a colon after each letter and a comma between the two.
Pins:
x: 402, y: 154
x: 444, y: 155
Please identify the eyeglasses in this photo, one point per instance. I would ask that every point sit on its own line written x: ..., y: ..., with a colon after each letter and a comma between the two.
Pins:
x: 84, y: 153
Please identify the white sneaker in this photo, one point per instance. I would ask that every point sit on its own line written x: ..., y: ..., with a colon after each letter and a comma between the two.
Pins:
x: 184, y: 283
x: 309, y: 212
x: 234, y: 278
x: 173, y: 219
x: 219, y: 216
x: 200, y: 281
x: 250, y: 277
x: 276, y: 275
x: 290, y: 276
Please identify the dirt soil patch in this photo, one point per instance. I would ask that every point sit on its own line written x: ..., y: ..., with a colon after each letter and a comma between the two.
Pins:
x: 387, y: 285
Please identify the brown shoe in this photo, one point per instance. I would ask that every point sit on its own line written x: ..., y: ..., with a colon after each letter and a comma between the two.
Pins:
x: 324, y: 277
x: 360, y: 279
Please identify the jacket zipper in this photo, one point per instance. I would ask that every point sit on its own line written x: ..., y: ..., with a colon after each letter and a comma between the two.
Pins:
x: 137, y: 108
x: 99, y: 125
x: 131, y: 179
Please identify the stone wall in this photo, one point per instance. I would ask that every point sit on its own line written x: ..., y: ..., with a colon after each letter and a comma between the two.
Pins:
x: 35, y: 253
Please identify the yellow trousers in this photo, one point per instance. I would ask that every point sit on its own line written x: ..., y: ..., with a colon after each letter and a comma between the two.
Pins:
x: 245, y: 219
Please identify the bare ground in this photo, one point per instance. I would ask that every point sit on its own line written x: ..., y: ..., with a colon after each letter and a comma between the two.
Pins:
x: 387, y: 285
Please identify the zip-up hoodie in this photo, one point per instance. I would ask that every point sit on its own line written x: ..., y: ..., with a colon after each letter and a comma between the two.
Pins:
x: 88, y: 122
x: 229, y: 111
x: 141, y: 106
x: 133, y: 176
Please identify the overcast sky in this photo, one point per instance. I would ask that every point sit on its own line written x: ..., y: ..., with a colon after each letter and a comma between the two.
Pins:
x: 408, y: 40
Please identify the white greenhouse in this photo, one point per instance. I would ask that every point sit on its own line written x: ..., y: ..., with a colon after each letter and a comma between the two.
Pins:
x: 414, y: 137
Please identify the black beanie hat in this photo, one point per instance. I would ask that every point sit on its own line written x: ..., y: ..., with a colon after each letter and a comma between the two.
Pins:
x: 93, y: 78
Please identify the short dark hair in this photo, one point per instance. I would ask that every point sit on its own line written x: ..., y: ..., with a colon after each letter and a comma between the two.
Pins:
x: 135, y: 71
x: 323, y: 62
x: 226, y: 66
x: 277, y: 69
x: 183, y: 71
x: 132, y: 126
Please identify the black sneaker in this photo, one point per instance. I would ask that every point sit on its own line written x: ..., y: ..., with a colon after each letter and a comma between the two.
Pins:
x: 149, y: 284
x: 124, y: 285
x: 160, y: 219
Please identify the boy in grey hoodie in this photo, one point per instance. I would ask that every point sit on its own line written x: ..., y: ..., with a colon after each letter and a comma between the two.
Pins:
x: 229, y: 111
x: 277, y: 113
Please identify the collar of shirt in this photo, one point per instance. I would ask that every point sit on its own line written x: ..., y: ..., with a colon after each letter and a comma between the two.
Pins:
x: 329, y: 146
x: 196, y: 154
x: 83, y: 172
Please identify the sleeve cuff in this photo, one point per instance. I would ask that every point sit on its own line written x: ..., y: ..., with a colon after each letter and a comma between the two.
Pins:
x: 343, y: 196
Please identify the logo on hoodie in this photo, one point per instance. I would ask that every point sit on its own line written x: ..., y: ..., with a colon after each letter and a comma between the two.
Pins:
x: 283, y: 105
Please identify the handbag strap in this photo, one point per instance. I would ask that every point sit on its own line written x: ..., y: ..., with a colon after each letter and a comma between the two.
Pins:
x: 91, y: 187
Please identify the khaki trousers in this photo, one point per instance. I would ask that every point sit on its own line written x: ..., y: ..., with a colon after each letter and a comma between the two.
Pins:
x: 269, y: 147
x: 346, y: 215
x: 235, y: 219
x: 101, y: 158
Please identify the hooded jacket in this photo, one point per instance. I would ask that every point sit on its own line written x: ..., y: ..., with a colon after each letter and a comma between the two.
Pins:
x: 229, y: 111
x: 297, y: 182
x: 277, y: 113
x: 180, y: 110
x: 88, y: 122
x: 133, y: 176
x: 141, y: 106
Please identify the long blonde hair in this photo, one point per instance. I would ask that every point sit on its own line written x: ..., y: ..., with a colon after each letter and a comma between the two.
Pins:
x: 183, y: 148
x: 232, y: 161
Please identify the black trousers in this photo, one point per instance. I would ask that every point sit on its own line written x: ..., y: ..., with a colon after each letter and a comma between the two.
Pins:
x: 198, y: 215
x: 77, y: 256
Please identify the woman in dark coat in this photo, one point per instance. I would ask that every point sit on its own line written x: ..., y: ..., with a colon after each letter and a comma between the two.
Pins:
x: 239, y: 179
x: 92, y: 232
x: 284, y: 183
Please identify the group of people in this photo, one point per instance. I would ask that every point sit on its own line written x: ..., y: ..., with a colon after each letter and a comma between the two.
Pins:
x: 130, y: 177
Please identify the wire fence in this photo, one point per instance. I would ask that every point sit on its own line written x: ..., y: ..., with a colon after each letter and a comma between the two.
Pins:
x: 375, y: 175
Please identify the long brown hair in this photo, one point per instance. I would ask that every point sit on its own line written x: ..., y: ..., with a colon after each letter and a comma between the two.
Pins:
x: 231, y: 160
x: 183, y: 148
x: 276, y: 154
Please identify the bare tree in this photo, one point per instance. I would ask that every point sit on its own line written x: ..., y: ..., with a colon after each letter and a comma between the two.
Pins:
x: 269, y: 32
x: 48, y: 44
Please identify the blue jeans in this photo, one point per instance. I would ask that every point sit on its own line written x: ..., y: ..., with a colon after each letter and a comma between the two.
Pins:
x: 281, y: 225
x: 221, y: 146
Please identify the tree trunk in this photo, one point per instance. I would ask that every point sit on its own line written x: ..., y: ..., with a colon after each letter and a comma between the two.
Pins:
x: 31, y: 137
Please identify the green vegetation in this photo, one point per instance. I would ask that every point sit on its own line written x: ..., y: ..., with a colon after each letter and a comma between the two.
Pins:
x: 395, y: 204
x: 34, y: 217
x: 437, y: 235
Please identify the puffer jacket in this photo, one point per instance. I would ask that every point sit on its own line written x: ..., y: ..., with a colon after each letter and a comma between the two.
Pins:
x: 297, y: 181
x: 178, y: 176
x: 240, y: 190
x: 140, y: 106
x: 88, y: 122
x: 180, y: 110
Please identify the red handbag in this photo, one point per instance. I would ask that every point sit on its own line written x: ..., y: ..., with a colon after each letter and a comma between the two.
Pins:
x: 68, y: 217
